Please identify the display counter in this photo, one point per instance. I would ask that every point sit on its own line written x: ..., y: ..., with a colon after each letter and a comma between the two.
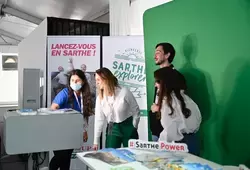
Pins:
x: 42, y: 131
x: 95, y: 164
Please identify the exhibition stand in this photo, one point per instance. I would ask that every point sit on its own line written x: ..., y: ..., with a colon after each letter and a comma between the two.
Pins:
x: 56, y: 52
x: 94, y: 164
x: 143, y: 153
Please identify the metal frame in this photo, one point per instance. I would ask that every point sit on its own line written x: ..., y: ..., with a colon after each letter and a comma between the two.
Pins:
x: 10, y: 35
x: 14, y: 12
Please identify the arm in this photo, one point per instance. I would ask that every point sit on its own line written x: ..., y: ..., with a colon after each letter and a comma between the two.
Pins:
x: 70, y: 65
x: 56, y: 78
x: 134, y: 108
x: 99, y: 121
x: 59, y: 100
x: 172, y: 125
x: 194, y: 121
x: 85, y: 125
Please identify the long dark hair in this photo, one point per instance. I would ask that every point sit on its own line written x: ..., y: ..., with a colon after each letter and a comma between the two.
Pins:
x: 110, y: 82
x: 170, y: 82
x: 85, y: 91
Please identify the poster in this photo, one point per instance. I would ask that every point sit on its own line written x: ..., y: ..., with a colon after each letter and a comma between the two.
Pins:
x: 66, y: 53
x: 124, y: 56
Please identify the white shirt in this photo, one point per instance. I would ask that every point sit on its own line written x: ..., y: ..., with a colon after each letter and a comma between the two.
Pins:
x: 175, y: 125
x: 115, y: 109
x: 62, y: 78
x: 88, y: 77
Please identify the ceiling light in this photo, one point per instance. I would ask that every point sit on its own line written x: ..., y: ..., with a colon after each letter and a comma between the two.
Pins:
x: 10, y: 60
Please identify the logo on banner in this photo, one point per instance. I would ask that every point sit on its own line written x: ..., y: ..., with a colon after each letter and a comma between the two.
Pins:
x: 172, y: 147
x: 129, y: 68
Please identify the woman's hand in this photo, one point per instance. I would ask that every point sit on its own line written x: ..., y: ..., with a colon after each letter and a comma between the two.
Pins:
x: 70, y: 60
x: 95, y: 147
x: 154, y: 108
x: 85, y: 136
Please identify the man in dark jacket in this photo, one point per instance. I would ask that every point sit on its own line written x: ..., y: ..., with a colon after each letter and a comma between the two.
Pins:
x: 164, y: 55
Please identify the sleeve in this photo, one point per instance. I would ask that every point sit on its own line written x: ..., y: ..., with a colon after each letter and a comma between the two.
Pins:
x: 70, y: 65
x: 99, y: 121
x: 174, y: 131
x: 194, y: 121
x: 172, y: 126
x: 61, y: 98
x: 133, y: 105
x: 56, y: 77
x: 88, y: 78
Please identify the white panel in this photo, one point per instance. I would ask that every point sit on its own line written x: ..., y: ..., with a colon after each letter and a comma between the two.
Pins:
x: 119, y: 17
x: 8, y: 49
x: 128, y: 19
x: 137, y: 10
x: 8, y: 86
x: 8, y: 79
x: 32, y: 54
x: 124, y: 56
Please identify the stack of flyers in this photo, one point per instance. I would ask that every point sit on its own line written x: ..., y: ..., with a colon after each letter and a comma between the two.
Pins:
x: 196, y: 166
x: 158, y: 160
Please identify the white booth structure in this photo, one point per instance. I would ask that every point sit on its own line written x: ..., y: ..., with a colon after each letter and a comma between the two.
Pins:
x: 52, y: 54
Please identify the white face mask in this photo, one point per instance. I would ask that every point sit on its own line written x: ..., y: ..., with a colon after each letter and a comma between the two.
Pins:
x: 75, y: 86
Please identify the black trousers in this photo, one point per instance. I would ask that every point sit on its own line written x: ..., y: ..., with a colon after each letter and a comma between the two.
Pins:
x: 61, y: 160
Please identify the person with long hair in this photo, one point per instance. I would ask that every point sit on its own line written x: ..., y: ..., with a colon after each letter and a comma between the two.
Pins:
x: 179, y: 115
x: 117, y: 106
x: 78, y: 97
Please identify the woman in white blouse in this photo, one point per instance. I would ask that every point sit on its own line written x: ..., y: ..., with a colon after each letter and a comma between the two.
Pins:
x: 117, y: 106
x: 179, y: 114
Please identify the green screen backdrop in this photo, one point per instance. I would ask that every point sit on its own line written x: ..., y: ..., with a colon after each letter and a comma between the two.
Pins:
x: 212, y: 42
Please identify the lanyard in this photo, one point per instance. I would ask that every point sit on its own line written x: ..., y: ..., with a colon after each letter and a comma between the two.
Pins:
x: 80, y: 105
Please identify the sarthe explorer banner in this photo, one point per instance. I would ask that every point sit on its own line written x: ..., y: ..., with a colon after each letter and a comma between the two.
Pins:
x: 124, y: 56
x: 66, y: 53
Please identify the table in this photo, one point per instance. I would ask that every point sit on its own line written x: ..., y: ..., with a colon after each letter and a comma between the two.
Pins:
x: 94, y: 164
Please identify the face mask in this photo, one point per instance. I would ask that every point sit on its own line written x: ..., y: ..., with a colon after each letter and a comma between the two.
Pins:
x: 75, y: 86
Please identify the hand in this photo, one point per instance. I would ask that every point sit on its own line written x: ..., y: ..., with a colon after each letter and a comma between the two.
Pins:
x: 155, y: 108
x: 70, y: 60
x: 85, y: 136
x: 95, y: 147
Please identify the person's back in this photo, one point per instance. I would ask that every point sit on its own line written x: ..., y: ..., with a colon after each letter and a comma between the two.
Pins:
x: 177, y: 120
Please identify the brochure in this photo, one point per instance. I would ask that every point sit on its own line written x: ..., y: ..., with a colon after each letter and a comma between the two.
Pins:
x: 112, y: 156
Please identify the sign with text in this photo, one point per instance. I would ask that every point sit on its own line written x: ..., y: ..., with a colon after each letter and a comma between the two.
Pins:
x: 80, y: 49
x: 124, y: 56
x: 161, y: 145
